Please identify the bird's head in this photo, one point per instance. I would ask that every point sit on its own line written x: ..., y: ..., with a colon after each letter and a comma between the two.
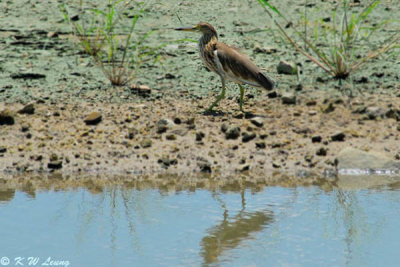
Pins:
x: 202, y: 27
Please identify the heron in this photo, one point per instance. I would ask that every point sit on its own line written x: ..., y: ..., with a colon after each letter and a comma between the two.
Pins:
x: 228, y: 62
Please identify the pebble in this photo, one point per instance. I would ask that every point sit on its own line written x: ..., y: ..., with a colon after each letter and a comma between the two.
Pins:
x: 132, y: 132
x: 338, y: 137
x: 204, y: 165
x: 181, y: 131
x: 6, y: 117
x: 321, y: 151
x: 288, y: 99
x: 393, y: 114
x: 243, y: 167
x: 163, y: 125
x: 233, y: 132
x: 166, y: 161
x: 93, y: 118
x: 261, y: 145
x: 312, y: 112
x: 311, y: 102
x: 141, y: 90
x: 25, y: 127
x: 374, y: 112
x: 285, y: 67
x: 246, y: 137
x: 316, y: 139
x: 272, y: 94
x: 257, y: 121
x: 171, y: 137
x: 145, y: 143
x: 328, y: 108
x: 224, y: 127
x: 55, y: 165
x: 27, y: 109
x: 199, y: 136
x: 276, y: 164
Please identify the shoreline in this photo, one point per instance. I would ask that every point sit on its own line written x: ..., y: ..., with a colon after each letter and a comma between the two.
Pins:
x: 171, y: 136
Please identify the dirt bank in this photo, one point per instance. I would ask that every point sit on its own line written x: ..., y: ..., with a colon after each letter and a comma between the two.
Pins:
x: 165, y: 132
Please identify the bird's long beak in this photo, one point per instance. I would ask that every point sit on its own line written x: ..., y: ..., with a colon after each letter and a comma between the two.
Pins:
x: 187, y: 29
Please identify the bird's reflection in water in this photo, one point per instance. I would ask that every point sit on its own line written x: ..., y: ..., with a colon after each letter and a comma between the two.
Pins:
x: 231, y: 232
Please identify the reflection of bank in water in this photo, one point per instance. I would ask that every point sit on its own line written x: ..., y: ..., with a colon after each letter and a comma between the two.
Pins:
x: 7, y: 195
x: 232, y: 231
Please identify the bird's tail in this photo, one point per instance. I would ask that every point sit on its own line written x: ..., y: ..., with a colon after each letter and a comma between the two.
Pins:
x: 265, y: 82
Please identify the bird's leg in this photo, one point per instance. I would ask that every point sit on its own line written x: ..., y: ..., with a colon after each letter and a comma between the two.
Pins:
x: 241, y: 97
x: 220, y: 97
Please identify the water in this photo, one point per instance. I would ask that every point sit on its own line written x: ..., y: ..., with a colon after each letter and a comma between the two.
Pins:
x: 115, y: 226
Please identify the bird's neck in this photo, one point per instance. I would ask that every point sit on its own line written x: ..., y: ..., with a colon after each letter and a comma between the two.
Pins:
x: 208, y: 38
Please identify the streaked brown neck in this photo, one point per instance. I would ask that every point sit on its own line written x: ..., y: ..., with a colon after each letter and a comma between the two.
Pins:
x: 207, y: 38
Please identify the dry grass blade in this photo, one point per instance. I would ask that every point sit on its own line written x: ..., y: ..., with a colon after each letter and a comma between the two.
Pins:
x: 344, y: 45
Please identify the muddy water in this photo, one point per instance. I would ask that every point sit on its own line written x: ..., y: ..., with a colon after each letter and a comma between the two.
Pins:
x: 116, y: 226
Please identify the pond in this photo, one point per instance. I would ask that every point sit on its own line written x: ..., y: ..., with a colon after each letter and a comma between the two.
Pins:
x: 275, y: 226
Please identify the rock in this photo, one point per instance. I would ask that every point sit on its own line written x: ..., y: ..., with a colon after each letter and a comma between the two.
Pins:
x: 145, y: 143
x: 261, y: 145
x: 132, y: 132
x: 190, y: 121
x: 6, y: 117
x: 177, y: 120
x: 52, y: 34
x: 316, y: 139
x: 257, y: 121
x: 181, y: 131
x: 238, y: 115
x: 53, y: 157
x: 285, y: 67
x: 25, y: 127
x: 171, y: 137
x: 288, y: 99
x: 27, y: 109
x: 199, y: 136
x: 276, y: 164
x: 93, y: 118
x: 312, y: 112
x: 233, y: 132
x: 141, y: 90
x: 393, y: 114
x: 264, y: 50
x: 351, y: 158
x: 359, y: 110
x: 54, y: 165
x: 163, y: 125
x: 166, y: 161
x: 203, y: 164
x: 243, y: 167
x: 311, y: 102
x: 28, y: 76
x: 338, y: 137
x: 328, y: 108
x: 272, y: 94
x: 372, y: 113
x: 321, y: 152
x: 224, y: 127
x: 308, y: 158
x: 246, y: 137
